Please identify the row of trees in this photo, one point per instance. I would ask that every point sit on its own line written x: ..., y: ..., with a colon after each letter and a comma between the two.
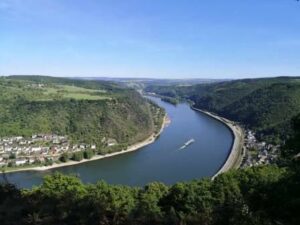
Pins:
x: 264, y: 195
x: 77, y: 156
x: 89, y: 153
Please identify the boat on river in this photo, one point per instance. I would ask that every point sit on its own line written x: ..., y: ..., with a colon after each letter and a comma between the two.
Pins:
x: 186, y: 144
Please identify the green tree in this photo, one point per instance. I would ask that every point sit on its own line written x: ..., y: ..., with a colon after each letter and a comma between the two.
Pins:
x: 111, y: 204
x: 59, y: 185
x: 77, y: 156
x: 88, y: 154
x: 189, y: 202
x: 149, y: 209
x: 12, y: 156
x: 64, y: 157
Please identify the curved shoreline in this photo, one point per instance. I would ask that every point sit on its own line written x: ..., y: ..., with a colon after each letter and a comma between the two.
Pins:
x: 131, y: 148
x: 233, y: 160
x: 235, y: 156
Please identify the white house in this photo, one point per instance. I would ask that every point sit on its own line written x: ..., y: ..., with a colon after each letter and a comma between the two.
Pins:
x: 36, y: 149
x: 8, y: 149
x: 20, y: 162
x: 19, y: 138
x: 111, y: 142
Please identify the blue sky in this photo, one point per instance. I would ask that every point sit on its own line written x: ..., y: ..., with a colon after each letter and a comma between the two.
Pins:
x: 150, y: 38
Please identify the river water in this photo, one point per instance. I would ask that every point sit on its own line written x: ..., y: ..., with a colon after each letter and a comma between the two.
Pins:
x: 160, y: 161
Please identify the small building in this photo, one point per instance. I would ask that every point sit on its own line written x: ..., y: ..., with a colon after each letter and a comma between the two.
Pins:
x: 36, y: 149
x: 8, y: 149
x: 20, y: 162
x: 22, y: 142
x: 111, y: 142
x: 56, y: 141
x: 19, y: 138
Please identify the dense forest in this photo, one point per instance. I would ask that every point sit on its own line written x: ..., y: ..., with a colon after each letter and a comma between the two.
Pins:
x: 265, y: 105
x: 85, y: 111
x: 259, y: 195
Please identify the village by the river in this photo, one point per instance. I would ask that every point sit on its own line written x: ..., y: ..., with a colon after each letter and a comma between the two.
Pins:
x: 40, y: 149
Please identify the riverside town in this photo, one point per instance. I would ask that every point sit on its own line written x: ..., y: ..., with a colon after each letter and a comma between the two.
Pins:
x: 41, y: 149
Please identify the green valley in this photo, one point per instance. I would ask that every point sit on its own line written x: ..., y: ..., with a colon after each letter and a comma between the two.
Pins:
x: 264, y: 105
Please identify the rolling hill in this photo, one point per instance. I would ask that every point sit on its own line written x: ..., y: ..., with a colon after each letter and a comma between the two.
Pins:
x: 265, y: 105
x: 85, y: 111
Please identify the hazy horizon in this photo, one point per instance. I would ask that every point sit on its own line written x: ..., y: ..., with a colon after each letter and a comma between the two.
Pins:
x: 147, y: 77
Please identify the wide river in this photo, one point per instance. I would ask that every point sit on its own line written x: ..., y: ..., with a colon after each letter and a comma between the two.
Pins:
x: 160, y: 161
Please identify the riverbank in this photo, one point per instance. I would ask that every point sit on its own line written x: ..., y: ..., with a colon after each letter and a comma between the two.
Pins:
x: 131, y: 148
x: 235, y: 156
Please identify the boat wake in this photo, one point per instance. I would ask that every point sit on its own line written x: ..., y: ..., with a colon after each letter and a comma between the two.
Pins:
x: 186, y: 144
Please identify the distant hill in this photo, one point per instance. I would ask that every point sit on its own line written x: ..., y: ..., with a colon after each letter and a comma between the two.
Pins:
x: 265, y: 105
x: 86, y: 111
x: 140, y: 83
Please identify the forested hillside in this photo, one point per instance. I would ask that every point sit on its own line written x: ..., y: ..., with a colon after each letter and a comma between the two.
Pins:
x: 85, y: 111
x: 264, y: 105
x: 266, y: 195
